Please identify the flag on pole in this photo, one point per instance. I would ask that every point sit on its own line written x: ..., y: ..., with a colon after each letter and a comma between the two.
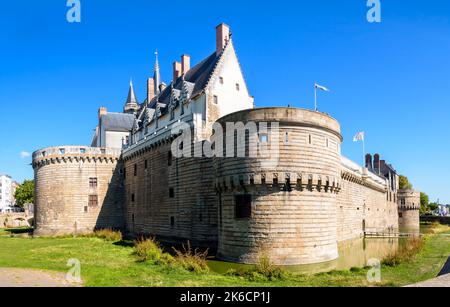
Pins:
x: 359, y: 137
x: 320, y: 87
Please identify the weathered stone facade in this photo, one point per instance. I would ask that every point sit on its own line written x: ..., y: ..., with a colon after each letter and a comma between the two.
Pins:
x: 409, y: 210
x: 170, y: 198
x: 77, y: 189
x: 293, y: 193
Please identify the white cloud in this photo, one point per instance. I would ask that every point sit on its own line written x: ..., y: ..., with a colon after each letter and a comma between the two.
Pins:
x: 24, y: 154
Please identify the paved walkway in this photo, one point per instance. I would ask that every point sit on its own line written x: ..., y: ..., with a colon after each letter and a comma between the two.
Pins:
x: 441, y: 281
x: 32, y: 278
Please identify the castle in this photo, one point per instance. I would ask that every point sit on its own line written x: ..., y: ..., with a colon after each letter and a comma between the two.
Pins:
x: 196, y: 161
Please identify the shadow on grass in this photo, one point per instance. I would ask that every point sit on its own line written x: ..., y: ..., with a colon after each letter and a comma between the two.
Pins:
x: 124, y: 243
x: 18, y: 231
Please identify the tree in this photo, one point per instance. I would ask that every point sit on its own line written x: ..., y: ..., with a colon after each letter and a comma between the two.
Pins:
x: 404, y: 183
x: 25, y: 193
x: 424, y: 202
x: 433, y: 206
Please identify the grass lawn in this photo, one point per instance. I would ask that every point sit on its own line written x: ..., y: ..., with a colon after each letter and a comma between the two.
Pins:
x: 107, y: 264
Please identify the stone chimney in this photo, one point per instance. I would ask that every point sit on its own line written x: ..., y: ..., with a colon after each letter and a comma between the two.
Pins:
x: 369, y: 164
x: 176, y: 70
x: 185, y: 63
x: 102, y: 111
x: 376, y: 163
x: 222, y: 37
x: 150, y: 89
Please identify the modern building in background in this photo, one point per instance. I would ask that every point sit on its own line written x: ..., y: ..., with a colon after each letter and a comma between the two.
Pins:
x: 443, y: 210
x: 7, y: 189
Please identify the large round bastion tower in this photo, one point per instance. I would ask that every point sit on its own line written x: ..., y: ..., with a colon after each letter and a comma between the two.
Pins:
x: 77, y: 189
x: 409, y: 210
x: 281, y: 204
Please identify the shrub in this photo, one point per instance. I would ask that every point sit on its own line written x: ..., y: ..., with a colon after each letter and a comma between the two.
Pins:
x: 264, y: 270
x: 106, y: 234
x: 150, y: 250
x: 405, y: 253
x: 192, y: 260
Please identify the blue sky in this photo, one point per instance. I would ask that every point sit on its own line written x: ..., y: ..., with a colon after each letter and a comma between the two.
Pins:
x: 390, y: 79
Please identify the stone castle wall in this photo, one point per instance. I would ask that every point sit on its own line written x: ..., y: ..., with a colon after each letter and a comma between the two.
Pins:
x: 173, y: 199
x: 63, y: 190
x: 364, y: 203
x: 294, y: 201
x: 409, y: 210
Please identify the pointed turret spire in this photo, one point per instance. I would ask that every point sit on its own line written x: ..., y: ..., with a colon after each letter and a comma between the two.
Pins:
x: 132, y: 104
x: 157, y: 76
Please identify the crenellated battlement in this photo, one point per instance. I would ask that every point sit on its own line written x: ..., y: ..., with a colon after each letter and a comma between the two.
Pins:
x: 278, y: 182
x: 74, y: 154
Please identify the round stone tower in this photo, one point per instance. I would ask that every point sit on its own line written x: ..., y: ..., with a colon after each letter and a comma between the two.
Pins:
x: 282, y: 202
x: 77, y: 189
x: 409, y: 211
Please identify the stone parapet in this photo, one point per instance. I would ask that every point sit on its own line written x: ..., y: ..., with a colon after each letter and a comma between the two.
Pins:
x: 74, y: 153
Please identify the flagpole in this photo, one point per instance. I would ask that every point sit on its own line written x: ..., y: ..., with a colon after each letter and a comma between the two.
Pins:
x: 364, y: 151
x: 315, y: 98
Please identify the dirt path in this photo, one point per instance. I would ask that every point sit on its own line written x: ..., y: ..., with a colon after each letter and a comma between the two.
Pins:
x: 33, y: 278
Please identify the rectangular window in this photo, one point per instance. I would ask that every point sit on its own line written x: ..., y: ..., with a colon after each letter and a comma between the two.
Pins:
x: 82, y: 150
x: 243, y: 206
x: 171, y: 193
x: 216, y: 99
x: 146, y: 164
x: 221, y: 80
x: 93, y: 201
x: 238, y: 88
x: 93, y: 183
x: 86, y: 209
x: 132, y: 198
x: 62, y: 151
x: 172, y: 221
x: 263, y: 138
x: 135, y: 170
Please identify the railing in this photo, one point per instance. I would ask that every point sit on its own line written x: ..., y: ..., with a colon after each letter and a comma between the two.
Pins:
x: 388, y: 234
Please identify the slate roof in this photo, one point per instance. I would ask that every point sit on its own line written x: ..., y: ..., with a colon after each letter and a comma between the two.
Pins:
x: 118, y: 122
x: 131, y: 99
x: 199, y: 75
